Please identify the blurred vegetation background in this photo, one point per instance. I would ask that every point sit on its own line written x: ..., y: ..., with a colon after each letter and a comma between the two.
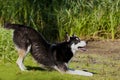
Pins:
x: 97, y: 19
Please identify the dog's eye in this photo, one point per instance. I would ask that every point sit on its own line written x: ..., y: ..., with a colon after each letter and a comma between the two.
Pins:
x: 77, y: 39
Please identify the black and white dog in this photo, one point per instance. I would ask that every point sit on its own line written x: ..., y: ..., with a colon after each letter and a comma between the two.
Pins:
x: 55, y: 56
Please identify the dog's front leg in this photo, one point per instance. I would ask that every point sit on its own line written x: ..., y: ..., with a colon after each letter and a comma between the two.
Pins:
x: 61, y: 67
x: 79, y: 72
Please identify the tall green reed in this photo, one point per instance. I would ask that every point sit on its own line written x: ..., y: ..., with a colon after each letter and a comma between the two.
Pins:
x: 90, y: 18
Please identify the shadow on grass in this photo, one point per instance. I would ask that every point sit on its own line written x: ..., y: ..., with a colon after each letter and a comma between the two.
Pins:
x: 35, y: 68
x: 91, y: 72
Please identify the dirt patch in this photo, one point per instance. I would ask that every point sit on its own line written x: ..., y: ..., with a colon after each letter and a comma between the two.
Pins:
x: 105, y: 47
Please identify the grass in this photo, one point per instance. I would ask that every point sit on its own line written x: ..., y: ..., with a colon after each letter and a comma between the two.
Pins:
x: 105, y: 69
x: 6, y: 45
x: 105, y: 66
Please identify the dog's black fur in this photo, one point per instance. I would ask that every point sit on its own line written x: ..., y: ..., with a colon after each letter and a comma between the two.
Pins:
x: 47, y: 54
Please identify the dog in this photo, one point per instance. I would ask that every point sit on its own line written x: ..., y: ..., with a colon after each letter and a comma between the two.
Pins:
x: 55, y: 56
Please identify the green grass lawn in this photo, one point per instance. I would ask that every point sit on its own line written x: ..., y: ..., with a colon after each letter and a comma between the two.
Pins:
x: 105, y: 66
x: 10, y: 71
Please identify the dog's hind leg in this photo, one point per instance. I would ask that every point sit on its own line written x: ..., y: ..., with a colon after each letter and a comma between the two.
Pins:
x: 22, y: 53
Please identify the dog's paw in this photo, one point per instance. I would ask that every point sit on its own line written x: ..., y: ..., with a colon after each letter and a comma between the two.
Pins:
x: 79, y: 72
x: 84, y: 73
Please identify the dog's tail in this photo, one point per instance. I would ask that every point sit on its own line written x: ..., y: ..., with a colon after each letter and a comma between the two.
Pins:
x: 10, y: 26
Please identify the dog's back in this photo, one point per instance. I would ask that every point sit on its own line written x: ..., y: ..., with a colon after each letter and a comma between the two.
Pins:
x: 23, y: 36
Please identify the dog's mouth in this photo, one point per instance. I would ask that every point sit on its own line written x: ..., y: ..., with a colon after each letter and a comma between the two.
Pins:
x: 82, y: 48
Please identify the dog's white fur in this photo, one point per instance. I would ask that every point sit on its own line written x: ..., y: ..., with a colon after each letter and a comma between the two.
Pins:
x: 21, y: 59
x: 74, y: 47
x: 75, y: 72
x: 79, y: 72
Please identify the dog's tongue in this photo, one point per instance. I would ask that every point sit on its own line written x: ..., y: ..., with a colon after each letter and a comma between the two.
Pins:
x: 82, y: 49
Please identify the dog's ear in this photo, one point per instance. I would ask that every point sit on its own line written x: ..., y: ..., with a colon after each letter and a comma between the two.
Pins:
x: 67, y: 38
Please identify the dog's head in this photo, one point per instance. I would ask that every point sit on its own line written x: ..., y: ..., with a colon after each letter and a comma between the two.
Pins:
x: 75, y: 43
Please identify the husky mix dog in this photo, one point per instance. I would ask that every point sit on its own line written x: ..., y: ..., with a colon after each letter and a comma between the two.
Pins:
x: 55, y: 56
